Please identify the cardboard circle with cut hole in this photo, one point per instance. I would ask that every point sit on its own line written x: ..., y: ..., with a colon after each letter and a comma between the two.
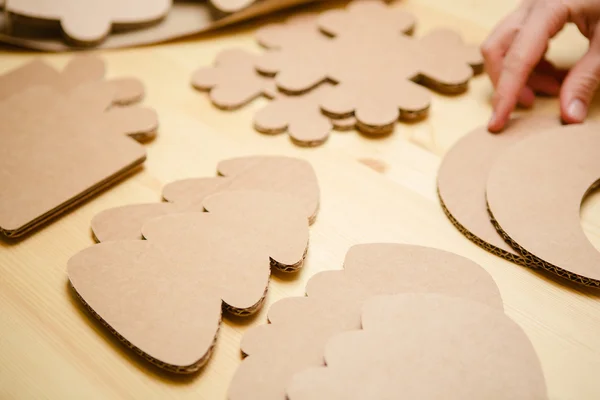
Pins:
x: 534, y: 193
x: 463, y: 176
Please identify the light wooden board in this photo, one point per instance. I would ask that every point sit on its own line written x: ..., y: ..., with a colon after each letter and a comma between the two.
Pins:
x: 49, y: 348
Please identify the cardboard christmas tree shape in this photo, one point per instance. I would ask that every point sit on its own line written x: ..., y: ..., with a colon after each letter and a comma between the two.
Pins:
x: 80, y: 70
x: 163, y: 296
x: 534, y: 192
x: 56, y: 150
x: 233, y: 81
x: 463, y: 176
x: 90, y: 22
x: 299, y: 115
x: 271, y: 174
x: 426, y: 346
x: 300, y: 327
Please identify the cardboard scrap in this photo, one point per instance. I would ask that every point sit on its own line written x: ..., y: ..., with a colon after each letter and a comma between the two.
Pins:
x: 463, y: 176
x: 186, y: 18
x: 534, y: 192
x: 163, y: 296
x: 426, y: 346
x: 270, y: 174
x: 90, y: 22
x: 300, y: 327
x: 57, y: 149
x: 343, y: 47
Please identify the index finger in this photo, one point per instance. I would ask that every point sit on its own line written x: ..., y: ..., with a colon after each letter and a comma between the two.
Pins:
x: 544, y: 21
x: 498, y: 42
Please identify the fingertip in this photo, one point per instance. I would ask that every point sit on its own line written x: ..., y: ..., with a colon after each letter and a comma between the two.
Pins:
x: 575, y: 112
x: 495, y: 123
x: 526, y: 97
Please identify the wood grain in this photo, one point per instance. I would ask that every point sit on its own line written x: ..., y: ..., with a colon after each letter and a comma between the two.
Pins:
x: 50, y: 348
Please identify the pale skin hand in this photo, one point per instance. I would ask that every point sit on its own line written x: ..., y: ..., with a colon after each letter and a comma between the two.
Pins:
x: 515, y: 63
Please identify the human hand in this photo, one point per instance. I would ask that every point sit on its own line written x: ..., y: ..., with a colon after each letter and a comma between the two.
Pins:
x: 514, y: 59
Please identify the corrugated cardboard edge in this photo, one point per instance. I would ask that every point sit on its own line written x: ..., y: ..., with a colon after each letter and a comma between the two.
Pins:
x: 536, y: 262
x: 171, y: 368
x: 515, y: 258
x: 74, y: 202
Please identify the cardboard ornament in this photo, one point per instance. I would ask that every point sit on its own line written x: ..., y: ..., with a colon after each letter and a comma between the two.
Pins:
x: 300, y: 327
x: 309, y: 52
x: 534, y: 192
x: 58, y: 149
x: 372, y: 33
x: 463, y: 176
x: 277, y: 175
x: 233, y: 82
x: 163, y: 296
x: 90, y: 22
x: 426, y: 346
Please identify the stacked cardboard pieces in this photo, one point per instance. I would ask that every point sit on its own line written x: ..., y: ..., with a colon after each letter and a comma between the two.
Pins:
x: 211, y: 246
x: 343, y: 68
x: 397, y: 320
x: 517, y: 194
x: 64, y: 137
x: 61, y: 25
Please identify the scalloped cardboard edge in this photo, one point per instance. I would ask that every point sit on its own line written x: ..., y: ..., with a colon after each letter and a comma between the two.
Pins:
x: 426, y: 346
x: 300, y: 326
x: 183, y: 20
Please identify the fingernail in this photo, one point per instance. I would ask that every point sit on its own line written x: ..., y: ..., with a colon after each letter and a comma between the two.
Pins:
x: 577, y: 110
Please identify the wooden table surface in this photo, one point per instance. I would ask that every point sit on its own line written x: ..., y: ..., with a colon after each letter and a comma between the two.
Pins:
x: 50, y: 348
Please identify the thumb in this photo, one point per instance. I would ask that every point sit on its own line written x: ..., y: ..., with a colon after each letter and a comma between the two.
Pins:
x: 580, y: 85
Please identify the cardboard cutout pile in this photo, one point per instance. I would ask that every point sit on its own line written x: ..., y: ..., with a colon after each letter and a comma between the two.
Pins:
x: 90, y: 22
x: 64, y: 138
x: 518, y: 194
x: 415, y: 306
x: 61, y: 25
x: 212, y: 248
x: 356, y: 65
